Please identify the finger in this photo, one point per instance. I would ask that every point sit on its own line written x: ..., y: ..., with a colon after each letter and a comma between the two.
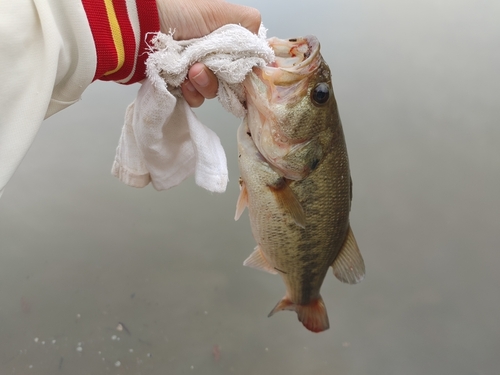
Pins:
x: 247, y: 17
x: 192, y: 96
x: 203, y: 80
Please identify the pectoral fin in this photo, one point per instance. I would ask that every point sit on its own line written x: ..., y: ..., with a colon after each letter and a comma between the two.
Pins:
x: 258, y: 261
x: 349, y: 266
x: 242, y: 200
x: 288, y: 201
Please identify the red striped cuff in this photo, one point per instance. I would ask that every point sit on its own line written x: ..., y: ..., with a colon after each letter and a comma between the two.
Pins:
x: 120, y: 29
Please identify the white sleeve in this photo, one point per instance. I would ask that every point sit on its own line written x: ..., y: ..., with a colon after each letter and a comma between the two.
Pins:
x: 47, y: 59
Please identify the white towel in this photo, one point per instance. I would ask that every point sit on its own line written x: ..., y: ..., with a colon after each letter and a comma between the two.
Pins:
x: 162, y: 140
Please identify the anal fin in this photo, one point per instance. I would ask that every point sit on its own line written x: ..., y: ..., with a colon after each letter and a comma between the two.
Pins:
x: 313, y: 315
x: 349, y: 266
x: 258, y: 261
x: 288, y: 201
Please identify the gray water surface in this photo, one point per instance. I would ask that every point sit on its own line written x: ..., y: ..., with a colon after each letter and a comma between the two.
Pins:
x: 417, y: 86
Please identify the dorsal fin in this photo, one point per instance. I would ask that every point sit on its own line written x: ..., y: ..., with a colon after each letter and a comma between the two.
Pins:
x: 349, y: 266
x: 258, y: 261
x: 242, y: 200
x: 288, y: 201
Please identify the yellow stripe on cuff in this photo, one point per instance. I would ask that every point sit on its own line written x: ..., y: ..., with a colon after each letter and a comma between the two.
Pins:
x: 117, y: 36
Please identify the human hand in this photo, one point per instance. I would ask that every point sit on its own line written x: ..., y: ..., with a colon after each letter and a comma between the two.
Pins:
x: 197, y: 18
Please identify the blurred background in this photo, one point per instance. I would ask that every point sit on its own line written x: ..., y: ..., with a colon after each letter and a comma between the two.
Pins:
x: 417, y: 87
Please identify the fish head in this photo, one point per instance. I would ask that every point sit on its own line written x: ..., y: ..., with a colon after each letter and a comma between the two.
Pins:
x: 291, y: 109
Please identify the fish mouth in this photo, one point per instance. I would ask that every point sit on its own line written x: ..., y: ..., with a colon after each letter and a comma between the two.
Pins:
x: 286, y: 79
x: 294, y: 59
x: 294, y: 53
x: 282, y: 83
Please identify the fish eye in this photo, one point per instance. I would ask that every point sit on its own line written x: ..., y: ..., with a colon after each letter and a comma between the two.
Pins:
x: 320, y: 93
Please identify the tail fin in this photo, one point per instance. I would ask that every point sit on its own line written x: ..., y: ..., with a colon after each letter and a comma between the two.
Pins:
x: 313, y: 315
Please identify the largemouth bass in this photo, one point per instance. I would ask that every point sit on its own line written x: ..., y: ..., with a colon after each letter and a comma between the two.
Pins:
x: 295, y: 178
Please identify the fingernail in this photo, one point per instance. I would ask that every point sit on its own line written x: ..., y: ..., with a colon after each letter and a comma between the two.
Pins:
x: 201, y: 78
x: 188, y: 85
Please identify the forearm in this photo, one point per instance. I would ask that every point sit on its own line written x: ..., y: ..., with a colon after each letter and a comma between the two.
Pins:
x: 51, y: 50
